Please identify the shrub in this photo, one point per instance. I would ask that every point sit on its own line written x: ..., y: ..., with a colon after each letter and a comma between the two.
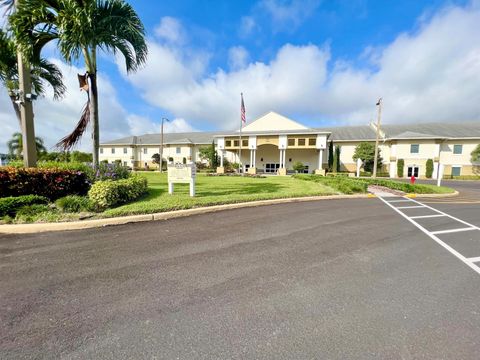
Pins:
x: 341, y: 184
x: 51, y: 183
x: 115, y: 171
x: 109, y: 193
x: 298, y: 167
x: 400, y: 166
x: 10, y: 205
x: 37, y: 213
x: 429, y: 168
x: 74, y: 203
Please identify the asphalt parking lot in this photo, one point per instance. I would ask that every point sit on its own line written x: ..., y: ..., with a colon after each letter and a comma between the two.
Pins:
x: 340, y: 279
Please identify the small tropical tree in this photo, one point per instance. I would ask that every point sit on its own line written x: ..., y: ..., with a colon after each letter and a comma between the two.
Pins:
x: 429, y: 168
x: 476, y: 154
x: 209, y: 153
x: 336, y: 159
x: 298, y: 167
x: 366, y: 152
x: 80, y: 28
x: 400, y: 167
x: 15, y: 145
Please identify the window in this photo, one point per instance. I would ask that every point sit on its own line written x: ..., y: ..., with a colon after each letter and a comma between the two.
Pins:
x: 144, y: 150
x: 457, y: 149
x: 291, y: 142
x: 228, y: 143
x: 301, y: 142
x: 125, y: 150
x: 456, y: 170
x: 178, y: 150
x: 245, y: 143
x: 414, y: 148
x: 101, y: 150
x: 312, y: 142
x: 113, y: 150
x: 235, y: 142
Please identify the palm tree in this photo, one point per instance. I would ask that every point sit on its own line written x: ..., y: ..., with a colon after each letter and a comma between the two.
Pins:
x: 42, y: 72
x: 81, y: 27
x: 15, y: 145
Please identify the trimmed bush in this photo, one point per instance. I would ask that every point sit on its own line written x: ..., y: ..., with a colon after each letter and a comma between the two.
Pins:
x: 298, y: 167
x: 51, y: 183
x: 10, y: 205
x: 400, y: 167
x: 429, y: 168
x: 108, y: 193
x: 341, y: 184
x: 74, y: 204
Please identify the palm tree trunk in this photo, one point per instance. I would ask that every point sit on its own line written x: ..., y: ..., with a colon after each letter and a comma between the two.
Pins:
x: 16, y: 108
x: 94, y: 117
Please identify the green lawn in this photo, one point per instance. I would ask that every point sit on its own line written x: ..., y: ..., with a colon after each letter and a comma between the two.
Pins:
x: 211, y: 190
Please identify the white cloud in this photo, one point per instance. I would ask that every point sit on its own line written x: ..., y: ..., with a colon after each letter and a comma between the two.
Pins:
x: 432, y: 74
x: 237, y: 57
x: 247, y: 26
x: 170, y: 30
x: 139, y: 125
x: 288, y: 15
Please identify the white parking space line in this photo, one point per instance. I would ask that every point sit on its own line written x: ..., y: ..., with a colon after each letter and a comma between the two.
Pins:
x: 426, y: 216
x: 447, y: 247
x: 474, y: 259
x: 410, y: 207
x: 452, y: 230
x: 397, y: 201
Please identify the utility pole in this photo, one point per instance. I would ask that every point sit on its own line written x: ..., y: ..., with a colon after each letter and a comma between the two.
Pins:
x: 161, y: 145
x: 26, y: 109
x: 379, y: 120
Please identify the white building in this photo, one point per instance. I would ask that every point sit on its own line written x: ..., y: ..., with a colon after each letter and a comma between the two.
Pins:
x: 273, y: 143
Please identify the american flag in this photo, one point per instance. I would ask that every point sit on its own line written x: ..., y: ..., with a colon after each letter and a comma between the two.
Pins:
x: 242, y: 111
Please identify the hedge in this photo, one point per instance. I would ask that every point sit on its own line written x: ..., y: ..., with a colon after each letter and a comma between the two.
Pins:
x: 341, y: 184
x: 10, y: 205
x: 51, y: 183
x: 108, y: 193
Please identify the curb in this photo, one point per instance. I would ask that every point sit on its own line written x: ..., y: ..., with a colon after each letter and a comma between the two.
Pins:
x: 456, y: 193
x: 88, y: 224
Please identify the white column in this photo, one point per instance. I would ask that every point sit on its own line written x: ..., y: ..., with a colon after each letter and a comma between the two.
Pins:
x: 251, y: 158
x: 281, y: 158
x: 284, y: 156
x: 254, y: 158
x: 221, y: 158
x: 320, y: 159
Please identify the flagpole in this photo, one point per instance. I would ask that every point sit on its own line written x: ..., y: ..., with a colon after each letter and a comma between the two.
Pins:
x: 240, y: 168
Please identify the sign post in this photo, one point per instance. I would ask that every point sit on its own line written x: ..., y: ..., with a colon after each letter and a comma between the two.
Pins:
x: 183, y: 174
x: 359, y: 165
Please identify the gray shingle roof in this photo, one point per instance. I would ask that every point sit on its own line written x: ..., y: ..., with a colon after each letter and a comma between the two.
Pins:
x: 170, y: 138
x: 340, y: 133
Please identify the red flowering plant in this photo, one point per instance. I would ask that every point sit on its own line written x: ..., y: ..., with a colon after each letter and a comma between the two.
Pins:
x: 51, y: 183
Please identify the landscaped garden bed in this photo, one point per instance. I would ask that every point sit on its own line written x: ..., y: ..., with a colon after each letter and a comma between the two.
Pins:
x: 113, y: 191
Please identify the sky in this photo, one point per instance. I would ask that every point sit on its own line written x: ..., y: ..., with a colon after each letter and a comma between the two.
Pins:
x: 322, y: 63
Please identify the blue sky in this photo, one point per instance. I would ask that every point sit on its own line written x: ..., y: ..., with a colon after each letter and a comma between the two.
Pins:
x: 319, y: 62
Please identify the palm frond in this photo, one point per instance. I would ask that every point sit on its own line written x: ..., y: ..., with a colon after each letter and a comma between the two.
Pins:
x: 69, y: 141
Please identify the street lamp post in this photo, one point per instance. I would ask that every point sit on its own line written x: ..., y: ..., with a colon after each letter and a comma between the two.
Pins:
x: 161, y: 145
x: 379, y: 120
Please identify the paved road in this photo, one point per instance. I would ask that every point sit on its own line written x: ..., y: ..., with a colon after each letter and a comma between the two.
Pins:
x: 342, y: 279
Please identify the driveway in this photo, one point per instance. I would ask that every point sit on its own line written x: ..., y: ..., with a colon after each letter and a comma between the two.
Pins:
x: 340, y: 279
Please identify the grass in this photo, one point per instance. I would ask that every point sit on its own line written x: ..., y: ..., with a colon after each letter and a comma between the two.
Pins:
x: 212, y: 190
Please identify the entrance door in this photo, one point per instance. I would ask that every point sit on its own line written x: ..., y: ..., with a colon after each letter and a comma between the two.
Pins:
x: 271, y: 168
x: 412, y: 170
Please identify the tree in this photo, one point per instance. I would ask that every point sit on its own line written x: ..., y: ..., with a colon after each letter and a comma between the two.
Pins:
x: 298, y: 167
x: 400, y: 167
x: 365, y: 151
x: 429, y: 168
x: 15, y: 145
x: 330, y: 156
x: 476, y: 154
x: 42, y: 72
x: 209, y: 153
x: 79, y: 156
x: 80, y: 28
x: 336, y: 160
